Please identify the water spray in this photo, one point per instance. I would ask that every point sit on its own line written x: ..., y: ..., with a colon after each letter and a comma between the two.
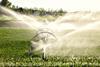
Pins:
x: 68, y: 34
x: 43, y: 39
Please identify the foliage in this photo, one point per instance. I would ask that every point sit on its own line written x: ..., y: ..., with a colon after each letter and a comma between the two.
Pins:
x: 5, y: 3
x: 38, y: 11
x: 32, y: 11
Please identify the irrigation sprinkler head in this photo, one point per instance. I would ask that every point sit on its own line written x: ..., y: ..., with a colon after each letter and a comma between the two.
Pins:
x: 46, y: 36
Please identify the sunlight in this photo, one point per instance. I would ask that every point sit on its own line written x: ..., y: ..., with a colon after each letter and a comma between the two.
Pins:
x: 70, y: 5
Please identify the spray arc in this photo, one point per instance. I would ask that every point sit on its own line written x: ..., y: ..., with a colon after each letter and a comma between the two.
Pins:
x: 43, y: 39
x: 70, y: 36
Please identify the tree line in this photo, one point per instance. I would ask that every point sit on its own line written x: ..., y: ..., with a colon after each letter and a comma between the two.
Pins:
x: 32, y: 11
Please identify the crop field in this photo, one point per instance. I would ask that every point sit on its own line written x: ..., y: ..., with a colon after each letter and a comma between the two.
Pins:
x: 14, y: 44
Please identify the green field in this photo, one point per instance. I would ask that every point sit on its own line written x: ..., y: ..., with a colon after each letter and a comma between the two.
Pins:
x: 14, y: 44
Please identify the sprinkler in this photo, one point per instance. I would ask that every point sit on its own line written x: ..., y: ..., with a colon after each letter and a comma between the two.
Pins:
x: 46, y: 37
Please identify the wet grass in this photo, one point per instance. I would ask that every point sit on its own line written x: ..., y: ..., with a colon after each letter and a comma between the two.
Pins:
x: 14, y: 44
x: 16, y: 34
x: 76, y: 61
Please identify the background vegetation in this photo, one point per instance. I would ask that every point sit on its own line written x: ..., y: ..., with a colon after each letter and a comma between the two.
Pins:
x: 34, y: 11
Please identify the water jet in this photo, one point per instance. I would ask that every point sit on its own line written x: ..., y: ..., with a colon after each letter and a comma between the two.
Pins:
x: 44, y: 38
x: 60, y: 38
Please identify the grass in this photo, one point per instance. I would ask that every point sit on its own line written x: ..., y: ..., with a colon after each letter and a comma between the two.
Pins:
x: 14, y: 44
x: 75, y: 61
x: 4, y: 18
x: 16, y: 34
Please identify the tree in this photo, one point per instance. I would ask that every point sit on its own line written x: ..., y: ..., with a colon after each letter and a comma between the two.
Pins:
x: 5, y: 3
